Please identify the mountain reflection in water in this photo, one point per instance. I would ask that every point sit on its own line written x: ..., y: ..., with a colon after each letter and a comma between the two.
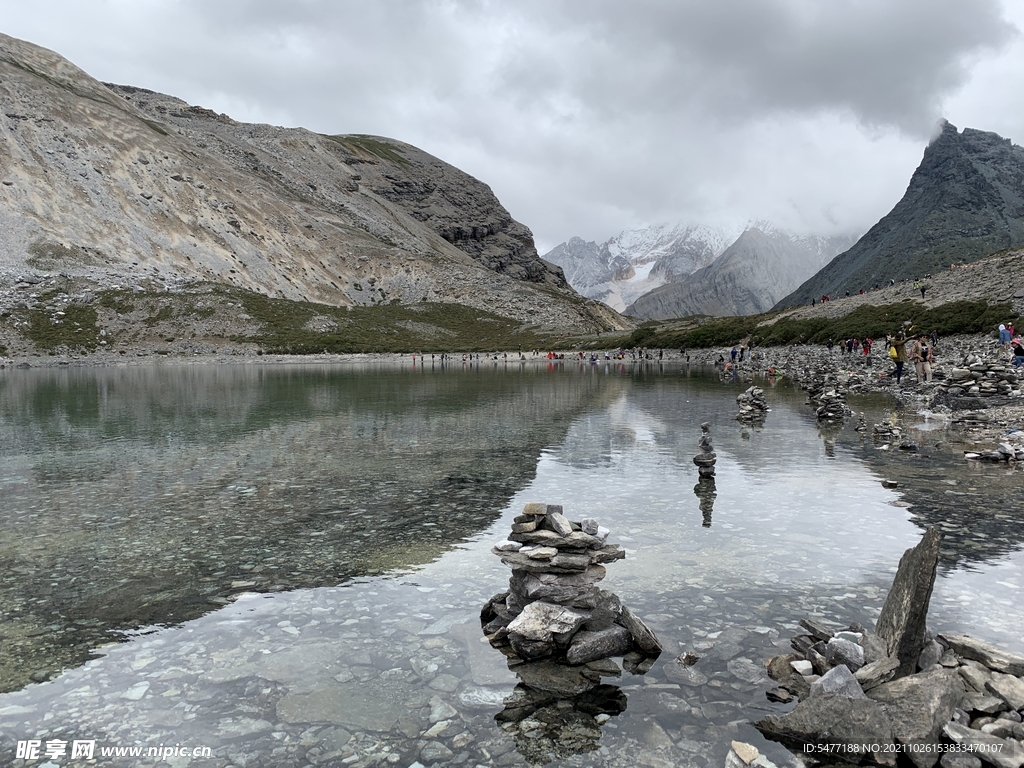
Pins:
x: 120, y: 497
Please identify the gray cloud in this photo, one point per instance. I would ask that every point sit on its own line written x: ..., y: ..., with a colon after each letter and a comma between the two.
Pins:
x: 586, y: 116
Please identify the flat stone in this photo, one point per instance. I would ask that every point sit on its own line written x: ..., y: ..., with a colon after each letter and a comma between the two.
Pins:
x: 901, y: 623
x: 1002, y: 753
x: 837, y: 681
x: 524, y: 527
x: 959, y: 760
x: 748, y: 753
x: 975, y: 676
x: 542, y: 553
x: 607, y: 554
x: 918, y: 707
x: 816, y: 630
x: 830, y: 719
x: 992, y: 657
x: 555, y: 678
x: 877, y: 672
x: 987, y: 705
x: 508, y: 546
x: 541, y: 621
x: 562, y: 563
x: 553, y: 587
x: 1008, y: 688
x: 591, y: 646
x: 642, y: 635
x: 535, y: 509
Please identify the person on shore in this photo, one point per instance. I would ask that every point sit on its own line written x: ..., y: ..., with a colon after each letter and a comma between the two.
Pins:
x: 898, y: 353
x: 1018, y: 352
x: 866, y: 348
x: 1004, y: 336
x: 935, y: 339
x: 829, y: 344
x: 922, y: 356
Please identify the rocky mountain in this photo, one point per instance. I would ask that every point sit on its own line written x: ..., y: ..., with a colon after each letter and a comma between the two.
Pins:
x: 964, y: 202
x: 118, y: 185
x: 748, y: 278
x: 636, y: 261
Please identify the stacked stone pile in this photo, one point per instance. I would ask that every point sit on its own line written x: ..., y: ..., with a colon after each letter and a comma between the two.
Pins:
x: 977, y: 378
x: 705, y: 460
x: 553, y: 608
x: 831, y: 405
x: 753, y: 406
x: 951, y: 697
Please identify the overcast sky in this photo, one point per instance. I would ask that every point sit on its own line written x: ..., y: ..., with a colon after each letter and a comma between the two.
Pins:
x: 587, y: 117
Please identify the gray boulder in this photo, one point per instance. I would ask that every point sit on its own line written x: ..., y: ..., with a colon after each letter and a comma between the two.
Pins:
x: 839, y: 681
x: 834, y: 720
x: 845, y: 652
x: 644, y: 638
x: 591, y: 646
x: 919, y: 706
x: 901, y: 623
x: 544, y: 622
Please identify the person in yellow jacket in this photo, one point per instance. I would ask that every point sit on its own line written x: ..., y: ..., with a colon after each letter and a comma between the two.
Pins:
x: 898, y: 353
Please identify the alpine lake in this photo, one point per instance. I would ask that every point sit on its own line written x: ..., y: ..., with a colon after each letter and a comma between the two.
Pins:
x: 286, y: 563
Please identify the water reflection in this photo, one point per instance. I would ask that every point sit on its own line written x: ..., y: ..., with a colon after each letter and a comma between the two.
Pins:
x: 706, y: 494
x: 135, y: 496
x: 395, y: 666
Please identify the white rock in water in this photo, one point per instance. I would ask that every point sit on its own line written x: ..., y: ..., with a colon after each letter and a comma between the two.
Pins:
x: 508, y: 546
x: 602, y: 533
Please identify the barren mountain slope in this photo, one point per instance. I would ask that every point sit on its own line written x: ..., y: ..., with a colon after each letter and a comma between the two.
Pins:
x: 118, y: 184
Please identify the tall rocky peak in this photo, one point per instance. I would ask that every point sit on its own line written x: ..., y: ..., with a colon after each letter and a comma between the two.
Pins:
x: 121, y: 184
x: 964, y: 202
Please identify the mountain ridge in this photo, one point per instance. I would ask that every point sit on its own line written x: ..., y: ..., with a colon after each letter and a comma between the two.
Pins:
x: 120, y: 184
x: 964, y: 201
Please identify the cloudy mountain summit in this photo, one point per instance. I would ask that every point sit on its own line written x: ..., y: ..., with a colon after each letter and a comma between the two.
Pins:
x: 763, y: 264
x: 672, y: 271
x: 636, y: 261
x: 964, y: 201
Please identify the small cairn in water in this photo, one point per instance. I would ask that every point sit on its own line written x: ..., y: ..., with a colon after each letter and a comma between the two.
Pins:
x: 553, y: 609
x: 831, y: 405
x: 753, y: 406
x: 705, y: 460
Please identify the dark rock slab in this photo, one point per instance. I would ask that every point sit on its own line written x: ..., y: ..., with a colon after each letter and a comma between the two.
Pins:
x: 901, y: 623
x: 591, y: 646
x: 556, y: 678
x: 1008, y: 688
x: 642, y: 635
x: 992, y: 657
x: 833, y: 720
x: 919, y: 706
x: 877, y: 672
x: 553, y: 587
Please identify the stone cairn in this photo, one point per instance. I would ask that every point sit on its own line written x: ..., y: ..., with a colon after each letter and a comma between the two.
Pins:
x: 944, y: 697
x: 978, y: 378
x: 553, y: 608
x: 705, y: 460
x: 753, y: 406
